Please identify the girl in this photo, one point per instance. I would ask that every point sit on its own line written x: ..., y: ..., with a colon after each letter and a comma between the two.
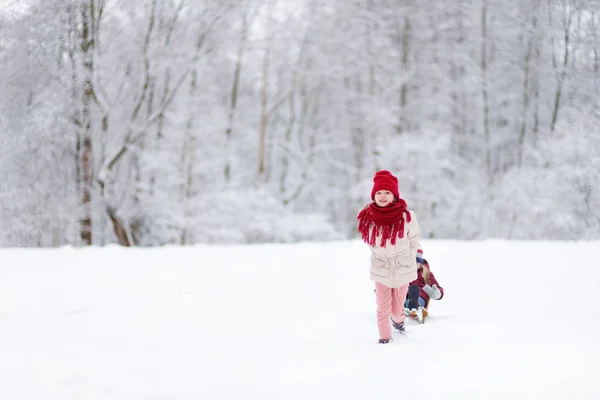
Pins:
x: 392, y: 232
x: 422, y: 290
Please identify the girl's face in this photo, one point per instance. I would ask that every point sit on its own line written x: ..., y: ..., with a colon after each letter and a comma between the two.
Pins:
x: 384, y: 198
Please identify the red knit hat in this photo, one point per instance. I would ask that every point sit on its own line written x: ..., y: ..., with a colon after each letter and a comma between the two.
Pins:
x: 384, y: 180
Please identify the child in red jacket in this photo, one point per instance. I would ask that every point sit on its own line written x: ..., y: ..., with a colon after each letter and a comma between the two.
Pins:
x: 422, y: 290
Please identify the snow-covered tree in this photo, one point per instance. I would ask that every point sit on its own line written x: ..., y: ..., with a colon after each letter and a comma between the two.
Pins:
x: 185, y: 121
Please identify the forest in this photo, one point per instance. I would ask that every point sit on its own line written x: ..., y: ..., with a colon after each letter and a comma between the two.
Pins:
x: 156, y: 122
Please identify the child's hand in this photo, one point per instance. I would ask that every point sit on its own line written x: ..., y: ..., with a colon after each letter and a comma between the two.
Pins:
x: 433, y: 292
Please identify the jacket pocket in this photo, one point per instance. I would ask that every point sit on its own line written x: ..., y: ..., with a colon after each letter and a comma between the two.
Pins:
x: 380, y: 266
x: 404, y: 261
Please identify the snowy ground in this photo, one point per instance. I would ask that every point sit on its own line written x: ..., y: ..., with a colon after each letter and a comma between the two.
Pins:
x: 520, y: 320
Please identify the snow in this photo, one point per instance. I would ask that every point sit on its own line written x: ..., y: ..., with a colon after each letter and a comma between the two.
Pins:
x: 519, y: 320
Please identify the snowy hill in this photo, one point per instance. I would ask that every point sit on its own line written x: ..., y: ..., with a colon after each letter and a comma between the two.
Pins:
x: 519, y: 321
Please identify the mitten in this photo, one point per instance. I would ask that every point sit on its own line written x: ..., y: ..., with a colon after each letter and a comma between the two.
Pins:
x: 433, y: 292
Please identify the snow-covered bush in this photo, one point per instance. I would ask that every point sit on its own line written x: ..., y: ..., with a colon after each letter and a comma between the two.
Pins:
x: 255, y: 217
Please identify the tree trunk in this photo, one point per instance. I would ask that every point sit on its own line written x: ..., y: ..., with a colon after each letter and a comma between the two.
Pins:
x: 402, y: 124
x: 264, y: 98
x: 188, y: 152
x: 536, y: 95
x: 484, y: 89
x: 188, y: 158
x: 563, y: 73
x: 304, y: 116
x: 118, y: 227
x: 85, y: 154
x: 285, y: 162
x: 234, y: 96
x: 75, y: 112
x: 526, y: 91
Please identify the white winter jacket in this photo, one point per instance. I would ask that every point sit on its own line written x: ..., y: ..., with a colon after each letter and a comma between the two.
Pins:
x: 396, y: 265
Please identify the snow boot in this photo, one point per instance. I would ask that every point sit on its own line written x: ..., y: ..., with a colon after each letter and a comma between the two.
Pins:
x: 399, y: 327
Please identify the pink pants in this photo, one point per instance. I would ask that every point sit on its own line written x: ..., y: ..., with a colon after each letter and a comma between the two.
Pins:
x: 390, y: 303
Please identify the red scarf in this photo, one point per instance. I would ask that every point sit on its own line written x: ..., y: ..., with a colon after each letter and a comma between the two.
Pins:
x: 386, y: 221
